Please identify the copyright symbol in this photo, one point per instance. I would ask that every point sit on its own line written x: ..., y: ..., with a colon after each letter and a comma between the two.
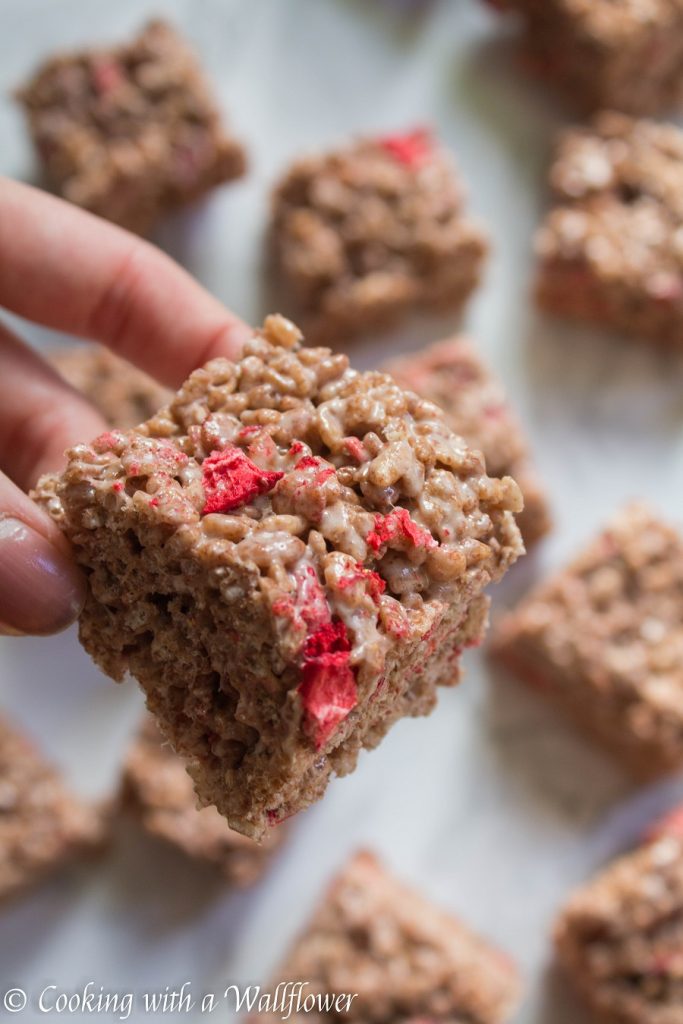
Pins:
x: 14, y: 1000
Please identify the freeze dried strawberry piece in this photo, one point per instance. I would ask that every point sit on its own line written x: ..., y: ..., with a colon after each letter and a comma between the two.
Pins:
x: 308, y: 462
x: 373, y: 581
x: 307, y: 609
x: 354, y: 447
x: 231, y: 479
x: 246, y: 433
x: 328, y: 684
x: 167, y: 455
x: 106, y: 75
x: 325, y: 471
x: 398, y: 524
x: 412, y: 149
x: 310, y: 598
x: 108, y: 441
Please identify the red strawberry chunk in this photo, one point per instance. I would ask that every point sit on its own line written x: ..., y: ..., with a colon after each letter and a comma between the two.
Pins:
x: 373, y: 581
x: 399, y: 524
x: 231, y: 479
x: 413, y: 149
x: 328, y: 684
x: 107, y: 75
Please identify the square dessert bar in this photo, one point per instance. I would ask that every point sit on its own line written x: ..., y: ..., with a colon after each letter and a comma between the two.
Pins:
x: 123, y: 394
x: 363, y: 235
x: 132, y: 131
x: 604, y: 641
x: 403, y: 959
x: 624, y: 56
x: 158, y: 793
x: 289, y: 557
x: 453, y: 376
x: 42, y: 825
x: 611, y: 251
x: 619, y: 938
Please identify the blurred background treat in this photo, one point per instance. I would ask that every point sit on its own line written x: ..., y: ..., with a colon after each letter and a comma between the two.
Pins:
x: 123, y: 394
x: 129, y: 132
x: 158, y: 794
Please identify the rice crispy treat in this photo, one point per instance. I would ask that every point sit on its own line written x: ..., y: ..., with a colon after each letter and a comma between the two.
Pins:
x: 611, y: 251
x: 130, y: 132
x: 42, y: 825
x: 289, y: 557
x: 625, y: 56
x: 123, y: 394
x: 603, y: 640
x: 362, y: 236
x: 407, y: 960
x: 158, y: 792
x: 452, y: 375
x: 620, y: 937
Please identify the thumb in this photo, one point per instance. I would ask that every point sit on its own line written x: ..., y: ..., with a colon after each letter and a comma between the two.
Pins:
x: 41, y: 588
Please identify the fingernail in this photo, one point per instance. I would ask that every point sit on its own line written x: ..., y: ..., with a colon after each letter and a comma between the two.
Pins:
x: 41, y: 589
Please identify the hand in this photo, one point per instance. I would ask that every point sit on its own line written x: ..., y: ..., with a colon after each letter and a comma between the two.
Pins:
x: 66, y: 269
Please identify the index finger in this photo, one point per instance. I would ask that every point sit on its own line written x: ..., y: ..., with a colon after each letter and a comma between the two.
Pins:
x: 67, y: 269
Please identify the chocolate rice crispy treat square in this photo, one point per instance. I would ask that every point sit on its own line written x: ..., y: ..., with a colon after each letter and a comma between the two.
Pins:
x: 123, y: 394
x: 625, y: 55
x: 42, y: 825
x: 289, y: 558
x: 363, y: 235
x: 611, y: 251
x: 158, y: 793
x: 452, y: 375
x: 406, y: 960
x: 130, y: 132
x: 619, y: 938
x: 603, y: 640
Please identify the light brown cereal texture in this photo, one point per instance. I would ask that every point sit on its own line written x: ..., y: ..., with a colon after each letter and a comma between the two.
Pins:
x: 123, y: 394
x: 43, y: 826
x: 603, y: 641
x: 405, y: 960
x: 363, y: 235
x: 158, y: 793
x: 619, y: 938
x: 611, y: 250
x: 132, y: 131
x: 289, y: 557
x: 625, y: 55
x: 452, y: 375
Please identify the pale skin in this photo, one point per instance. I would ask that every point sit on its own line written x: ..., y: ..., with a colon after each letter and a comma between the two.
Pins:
x: 65, y: 269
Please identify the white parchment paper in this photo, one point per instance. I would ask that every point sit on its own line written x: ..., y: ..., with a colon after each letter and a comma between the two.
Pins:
x: 493, y: 806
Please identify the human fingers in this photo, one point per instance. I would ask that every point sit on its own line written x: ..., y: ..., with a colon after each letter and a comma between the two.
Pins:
x: 67, y: 269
